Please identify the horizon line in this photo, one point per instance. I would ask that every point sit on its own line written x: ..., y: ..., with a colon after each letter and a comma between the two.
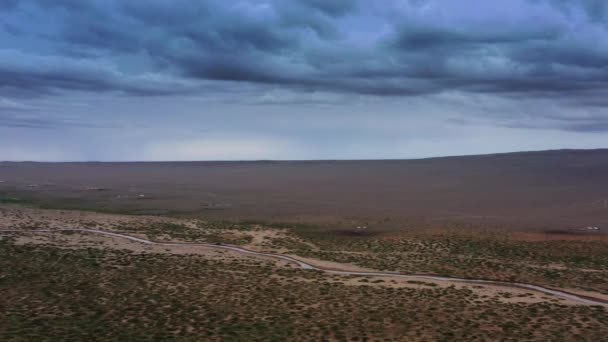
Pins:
x: 303, y: 160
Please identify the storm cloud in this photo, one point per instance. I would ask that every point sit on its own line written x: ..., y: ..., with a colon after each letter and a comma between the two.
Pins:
x: 546, y: 54
x: 393, y: 48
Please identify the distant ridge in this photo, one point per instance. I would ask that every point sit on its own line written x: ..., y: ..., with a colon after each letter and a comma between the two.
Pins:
x: 271, y: 161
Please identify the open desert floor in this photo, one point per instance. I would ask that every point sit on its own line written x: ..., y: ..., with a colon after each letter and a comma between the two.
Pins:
x: 438, y: 249
x: 57, y: 280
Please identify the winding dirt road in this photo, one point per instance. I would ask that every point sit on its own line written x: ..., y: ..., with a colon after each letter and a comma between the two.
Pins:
x: 587, y: 300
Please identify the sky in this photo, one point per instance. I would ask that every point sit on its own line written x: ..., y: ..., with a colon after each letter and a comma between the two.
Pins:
x: 113, y: 80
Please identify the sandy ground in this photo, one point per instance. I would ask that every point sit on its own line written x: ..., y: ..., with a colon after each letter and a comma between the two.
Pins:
x: 77, y: 240
x: 498, y: 293
x: 80, y: 240
x: 19, y: 216
x: 588, y: 293
x: 12, y: 217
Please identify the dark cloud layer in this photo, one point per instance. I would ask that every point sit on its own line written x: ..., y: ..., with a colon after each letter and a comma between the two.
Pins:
x: 523, y: 48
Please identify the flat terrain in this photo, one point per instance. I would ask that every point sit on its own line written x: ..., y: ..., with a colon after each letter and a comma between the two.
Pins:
x: 547, y: 191
x: 511, y: 218
x: 75, y: 285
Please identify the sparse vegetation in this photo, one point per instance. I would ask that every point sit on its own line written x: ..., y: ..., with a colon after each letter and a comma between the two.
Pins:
x: 481, y: 255
x: 118, y: 295
x: 65, y: 288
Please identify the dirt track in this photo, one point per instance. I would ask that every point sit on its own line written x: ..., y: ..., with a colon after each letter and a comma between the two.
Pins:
x: 587, y: 300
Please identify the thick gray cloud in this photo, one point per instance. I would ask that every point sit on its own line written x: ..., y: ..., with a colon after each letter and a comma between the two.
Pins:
x: 596, y: 10
x: 397, y: 48
x: 525, y: 64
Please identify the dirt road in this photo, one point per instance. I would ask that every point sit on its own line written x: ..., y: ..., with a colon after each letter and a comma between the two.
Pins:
x: 587, y: 300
